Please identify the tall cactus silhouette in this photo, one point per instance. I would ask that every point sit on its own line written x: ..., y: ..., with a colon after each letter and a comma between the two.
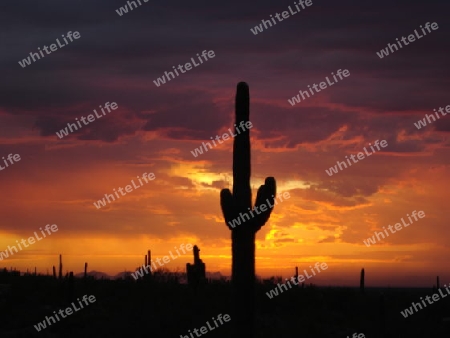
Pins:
x: 243, y: 235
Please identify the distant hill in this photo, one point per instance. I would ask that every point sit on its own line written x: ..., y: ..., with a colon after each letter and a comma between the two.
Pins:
x: 95, y: 274
x: 216, y: 275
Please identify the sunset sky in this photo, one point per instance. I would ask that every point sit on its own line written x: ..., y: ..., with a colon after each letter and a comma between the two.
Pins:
x: 154, y: 130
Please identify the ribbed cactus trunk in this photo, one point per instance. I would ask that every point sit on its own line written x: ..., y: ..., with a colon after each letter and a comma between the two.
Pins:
x: 243, y: 282
x: 243, y: 235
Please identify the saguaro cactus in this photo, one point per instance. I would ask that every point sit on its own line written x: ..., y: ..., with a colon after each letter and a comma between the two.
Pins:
x: 243, y: 235
x: 85, y: 270
x: 361, y: 281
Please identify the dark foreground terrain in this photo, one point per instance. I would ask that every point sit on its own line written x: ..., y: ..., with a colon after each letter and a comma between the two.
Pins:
x: 164, y: 308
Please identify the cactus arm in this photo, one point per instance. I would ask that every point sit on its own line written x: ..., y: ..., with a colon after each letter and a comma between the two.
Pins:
x: 266, y: 195
x: 227, y: 204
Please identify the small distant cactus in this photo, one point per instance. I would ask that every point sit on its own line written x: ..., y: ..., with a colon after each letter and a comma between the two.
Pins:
x: 85, y: 270
x: 149, y: 262
x: 361, y: 281
x: 60, y: 267
x: 196, y: 273
x: 70, y: 287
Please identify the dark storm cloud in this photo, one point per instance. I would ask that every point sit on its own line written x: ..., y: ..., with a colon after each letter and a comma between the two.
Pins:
x: 117, y: 59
